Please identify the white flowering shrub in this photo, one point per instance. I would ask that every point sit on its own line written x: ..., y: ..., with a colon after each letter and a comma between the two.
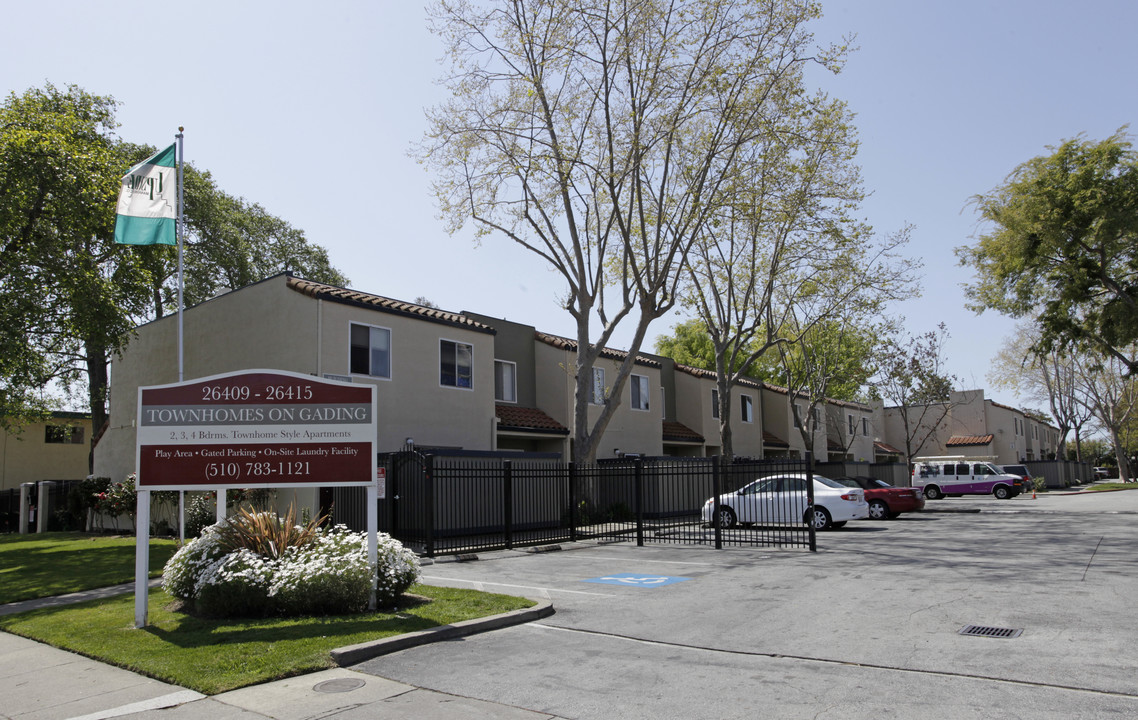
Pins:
x: 329, y: 574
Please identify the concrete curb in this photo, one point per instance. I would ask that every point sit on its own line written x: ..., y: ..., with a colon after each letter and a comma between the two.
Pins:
x: 353, y: 654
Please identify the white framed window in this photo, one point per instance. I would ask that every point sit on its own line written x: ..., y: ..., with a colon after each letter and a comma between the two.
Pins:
x: 370, y: 351
x: 865, y: 426
x: 813, y: 418
x: 796, y: 411
x: 639, y: 386
x: 715, y: 403
x: 456, y: 364
x: 747, y: 408
x: 505, y: 381
x: 597, y: 387
x: 852, y: 424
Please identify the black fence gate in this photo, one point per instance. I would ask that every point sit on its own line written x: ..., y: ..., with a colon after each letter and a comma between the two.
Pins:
x: 438, y: 504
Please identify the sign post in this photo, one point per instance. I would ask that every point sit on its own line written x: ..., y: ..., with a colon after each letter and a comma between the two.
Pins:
x: 248, y: 429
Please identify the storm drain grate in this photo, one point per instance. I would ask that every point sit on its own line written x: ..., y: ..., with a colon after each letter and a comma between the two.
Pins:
x: 992, y: 632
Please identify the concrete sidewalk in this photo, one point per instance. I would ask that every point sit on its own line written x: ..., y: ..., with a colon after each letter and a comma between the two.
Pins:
x: 39, y: 682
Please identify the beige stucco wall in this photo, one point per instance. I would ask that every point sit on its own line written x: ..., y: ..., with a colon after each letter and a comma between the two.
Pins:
x: 26, y: 457
x: 629, y: 431
x: 269, y: 326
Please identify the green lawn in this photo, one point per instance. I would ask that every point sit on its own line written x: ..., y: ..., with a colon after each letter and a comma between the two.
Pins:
x: 1099, y: 487
x: 213, y: 656
x: 43, y: 565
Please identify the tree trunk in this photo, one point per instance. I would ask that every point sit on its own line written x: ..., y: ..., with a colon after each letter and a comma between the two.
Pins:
x: 96, y: 393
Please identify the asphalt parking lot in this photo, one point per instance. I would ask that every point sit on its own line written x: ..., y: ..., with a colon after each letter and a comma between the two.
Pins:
x: 869, y: 626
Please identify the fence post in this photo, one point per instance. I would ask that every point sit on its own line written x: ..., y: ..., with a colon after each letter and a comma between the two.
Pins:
x: 44, y: 507
x: 508, y: 501
x: 26, y: 506
x: 810, y: 501
x: 638, y: 484
x: 716, y: 490
x: 429, y: 470
x: 572, y: 501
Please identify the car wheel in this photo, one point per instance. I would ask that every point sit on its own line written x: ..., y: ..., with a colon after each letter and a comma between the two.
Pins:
x: 932, y: 492
x: 819, y: 517
x: 727, y: 517
x: 878, y: 510
x: 1002, y: 492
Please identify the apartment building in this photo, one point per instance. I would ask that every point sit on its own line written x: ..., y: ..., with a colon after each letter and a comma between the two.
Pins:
x: 974, y: 426
x: 465, y: 381
x: 54, y: 449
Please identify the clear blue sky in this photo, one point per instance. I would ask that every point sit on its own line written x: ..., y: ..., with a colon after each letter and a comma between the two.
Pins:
x: 310, y: 110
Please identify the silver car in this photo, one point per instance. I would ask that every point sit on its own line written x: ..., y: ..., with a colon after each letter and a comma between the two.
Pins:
x: 781, y: 499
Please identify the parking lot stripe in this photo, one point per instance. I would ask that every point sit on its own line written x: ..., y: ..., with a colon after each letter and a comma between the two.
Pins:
x: 543, y: 591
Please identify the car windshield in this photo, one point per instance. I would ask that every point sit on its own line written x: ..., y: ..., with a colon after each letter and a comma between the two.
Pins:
x: 876, y: 482
x: 848, y: 482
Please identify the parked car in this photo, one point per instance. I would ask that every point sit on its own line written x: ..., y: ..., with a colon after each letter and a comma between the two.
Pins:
x: 885, y: 501
x: 938, y: 477
x: 1026, y: 481
x: 782, y: 499
x: 1102, y: 473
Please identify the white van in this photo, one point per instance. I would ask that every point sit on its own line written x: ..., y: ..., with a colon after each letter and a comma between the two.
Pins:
x: 950, y: 476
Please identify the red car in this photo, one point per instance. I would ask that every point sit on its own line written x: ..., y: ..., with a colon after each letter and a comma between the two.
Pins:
x: 885, y: 501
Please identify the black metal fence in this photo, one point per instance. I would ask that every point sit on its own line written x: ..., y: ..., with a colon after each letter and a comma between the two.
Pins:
x: 10, y: 510
x: 437, y: 504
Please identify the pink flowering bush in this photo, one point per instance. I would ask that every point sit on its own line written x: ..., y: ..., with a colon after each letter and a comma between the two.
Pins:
x: 118, y: 499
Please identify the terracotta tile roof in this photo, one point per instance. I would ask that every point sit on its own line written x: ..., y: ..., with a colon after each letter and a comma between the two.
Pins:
x: 512, y: 417
x: 885, y: 448
x: 967, y: 440
x: 563, y: 343
x: 345, y: 296
x: 710, y: 375
x: 678, y: 432
x: 772, y: 440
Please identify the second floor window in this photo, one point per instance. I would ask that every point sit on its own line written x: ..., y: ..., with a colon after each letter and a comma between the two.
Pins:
x: 639, y: 384
x: 505, y: 381
x: 370, y: 352
x: 853, y: 425
x: 715, y: 403
x: 597, y: 387
x: 747, y: 407
x: 865, y: 426
x: 456, y: 362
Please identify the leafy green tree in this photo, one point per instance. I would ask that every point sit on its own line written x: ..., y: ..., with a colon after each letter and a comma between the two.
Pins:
x: 69, y: 295
x: 1064, y: 247
x: 599, y: 136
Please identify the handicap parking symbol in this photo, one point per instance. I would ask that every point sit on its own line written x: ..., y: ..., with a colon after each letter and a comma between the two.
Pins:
x: 637, y: 580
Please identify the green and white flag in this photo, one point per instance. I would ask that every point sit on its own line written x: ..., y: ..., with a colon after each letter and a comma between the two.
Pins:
x: 148, y: 203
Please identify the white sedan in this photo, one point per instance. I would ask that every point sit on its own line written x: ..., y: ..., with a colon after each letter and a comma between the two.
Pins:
x: 782, y: 499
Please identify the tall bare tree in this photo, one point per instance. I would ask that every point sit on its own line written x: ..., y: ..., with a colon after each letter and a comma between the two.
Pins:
x: 1044, y: 378
x: 912, y: 379
x: 1109, y: 391
x: 599, y: 134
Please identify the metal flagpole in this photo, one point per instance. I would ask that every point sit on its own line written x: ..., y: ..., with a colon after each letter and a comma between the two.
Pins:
x: 181, y: 232
x: 181, y: 371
